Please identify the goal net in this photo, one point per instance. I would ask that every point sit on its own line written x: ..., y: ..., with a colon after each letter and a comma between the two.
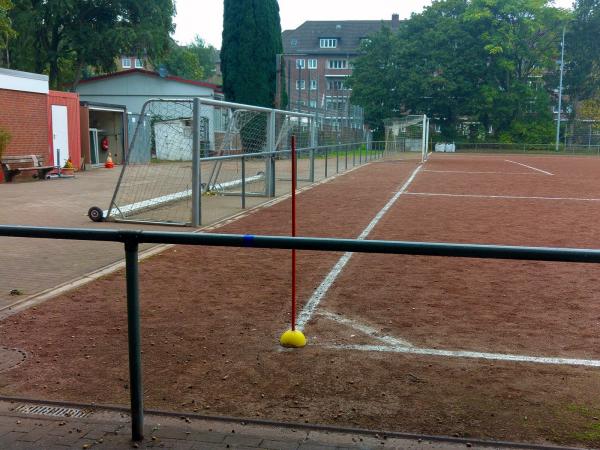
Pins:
x: 240, y: 148
x: 407, y: 137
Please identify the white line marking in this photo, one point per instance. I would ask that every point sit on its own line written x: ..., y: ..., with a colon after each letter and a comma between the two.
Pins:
x: 509, y: 197
x: 529, y: 167
x: 365, y: 329
x: 468, y: 172
x: 312, y: 304
x: 467, y: 354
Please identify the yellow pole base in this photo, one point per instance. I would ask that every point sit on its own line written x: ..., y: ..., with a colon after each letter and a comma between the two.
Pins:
x: 292, y: 339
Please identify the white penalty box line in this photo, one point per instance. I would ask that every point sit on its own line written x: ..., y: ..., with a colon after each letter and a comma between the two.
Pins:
x: 313, y: 302
x: 392, y: 344
x: 529, y: 167
x: 506, y: 197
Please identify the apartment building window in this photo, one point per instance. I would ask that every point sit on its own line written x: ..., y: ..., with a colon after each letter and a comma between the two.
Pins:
x: 138, y: 63
x: 313, y: 85
x: 299, y: 64
x: 337, y: 64
x: 328, y: 43
x: 312, y: 63
x: 313, y: 103
x: 335, y: 85
x: 126, y: 63
x: 300, y: 84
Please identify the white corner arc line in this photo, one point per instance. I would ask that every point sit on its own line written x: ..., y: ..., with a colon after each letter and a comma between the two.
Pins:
x: 468, y: 354
x: 529, y: 167
x: 314, y: 300
x: 507, y: 197
x: 365, y: 329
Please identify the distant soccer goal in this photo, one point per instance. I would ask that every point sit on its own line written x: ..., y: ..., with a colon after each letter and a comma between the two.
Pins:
x: 408, y: 135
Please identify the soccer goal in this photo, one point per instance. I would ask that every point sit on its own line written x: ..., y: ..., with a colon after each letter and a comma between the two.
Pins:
x: 407, y: 137
x: 185, y: 149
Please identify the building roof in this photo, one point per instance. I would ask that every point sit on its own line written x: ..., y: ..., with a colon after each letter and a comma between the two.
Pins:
x: 205, y: 84
x: 305, y: 38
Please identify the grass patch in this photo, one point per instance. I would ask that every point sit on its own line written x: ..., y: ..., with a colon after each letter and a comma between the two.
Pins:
x: 590, y: 432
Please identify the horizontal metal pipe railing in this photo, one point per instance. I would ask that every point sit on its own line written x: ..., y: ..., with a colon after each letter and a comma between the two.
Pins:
x: 310, y: 243
x: 132, y: 238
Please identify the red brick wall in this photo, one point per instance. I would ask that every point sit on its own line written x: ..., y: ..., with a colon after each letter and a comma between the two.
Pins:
x: 25, y: 116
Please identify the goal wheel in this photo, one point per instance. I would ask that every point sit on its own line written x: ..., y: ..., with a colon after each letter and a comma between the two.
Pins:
x: 96, y: 214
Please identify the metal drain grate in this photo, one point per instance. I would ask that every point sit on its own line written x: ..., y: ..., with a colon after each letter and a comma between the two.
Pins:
x: 52, y: 411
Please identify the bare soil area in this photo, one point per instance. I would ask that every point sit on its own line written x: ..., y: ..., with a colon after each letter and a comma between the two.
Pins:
x: 211, y: 317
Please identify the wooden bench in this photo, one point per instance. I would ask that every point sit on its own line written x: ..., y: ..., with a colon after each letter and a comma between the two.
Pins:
x: 15, y: 165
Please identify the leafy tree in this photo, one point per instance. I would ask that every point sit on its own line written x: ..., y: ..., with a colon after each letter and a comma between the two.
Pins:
x: 195, y: 61
x: 480, y: 60
x: 6, y: 31
x: 582, y: 51
x: 182, y: 62
x: 251, y: 43
x: 63, y: 37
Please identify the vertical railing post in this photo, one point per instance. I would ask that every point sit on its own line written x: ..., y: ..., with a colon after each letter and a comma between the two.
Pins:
x: 243, y: 182
x: 196, y: 176
x: 337, y: 160
x: 313, y: 145
x: 326, y: 161
x: 270, y: 167
x: 134, y: 336
x: 346, y: 157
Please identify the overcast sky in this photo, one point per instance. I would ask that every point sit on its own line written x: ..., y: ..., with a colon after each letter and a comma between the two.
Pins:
x: 205, y: 17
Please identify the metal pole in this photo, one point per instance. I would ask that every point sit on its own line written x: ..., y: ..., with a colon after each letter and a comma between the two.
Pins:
x: 346, y: 158
x: 337, y: 160
x: 135, y: 340
x: 243, y: 182
x: 560, y: 88
x: 423, y: 138
x: 313, y: 144
x: 326, y: 160
x: 270, y: 168
x: 196, y: 186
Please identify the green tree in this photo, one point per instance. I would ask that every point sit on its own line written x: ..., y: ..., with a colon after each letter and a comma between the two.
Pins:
x: 182, y: 62
x: 195, y: 61
x: 63, y: 37
x: 251, y: 43
x: 6, y: 31
x: 479, y: 60
x: 582, y: 51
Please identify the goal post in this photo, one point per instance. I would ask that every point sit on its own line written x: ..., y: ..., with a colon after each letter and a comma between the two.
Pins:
x: 184, y: 149
x: 407, y: 137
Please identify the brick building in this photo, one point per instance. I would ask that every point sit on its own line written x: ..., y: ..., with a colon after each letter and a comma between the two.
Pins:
x: 24, y: 112
x: 40, y: 122
x: 318, y: 58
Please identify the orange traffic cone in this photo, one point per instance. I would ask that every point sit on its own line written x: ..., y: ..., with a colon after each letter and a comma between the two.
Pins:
x: 109, y: 164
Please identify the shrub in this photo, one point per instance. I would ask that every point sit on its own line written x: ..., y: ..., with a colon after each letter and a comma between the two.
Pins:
x: 5, y: 138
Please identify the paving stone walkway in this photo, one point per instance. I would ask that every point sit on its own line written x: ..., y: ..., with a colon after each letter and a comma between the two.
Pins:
x: 110, y: 429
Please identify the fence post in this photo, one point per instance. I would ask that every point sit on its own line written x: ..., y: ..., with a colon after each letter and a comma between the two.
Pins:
x: 270, y: 168
x: 326, y: 161
x: 243, y: 182
x: 196, y: 176
x: 134, y: 335
x: 346, y: 157
x: 313, y: 145
x: 337, y: 160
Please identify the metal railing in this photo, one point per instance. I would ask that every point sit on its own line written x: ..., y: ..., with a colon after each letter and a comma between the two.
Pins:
x: 501, y: 147
x: 131, y: 240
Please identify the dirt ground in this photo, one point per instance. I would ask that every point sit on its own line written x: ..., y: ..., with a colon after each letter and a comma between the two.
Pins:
x: 211, y: 317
